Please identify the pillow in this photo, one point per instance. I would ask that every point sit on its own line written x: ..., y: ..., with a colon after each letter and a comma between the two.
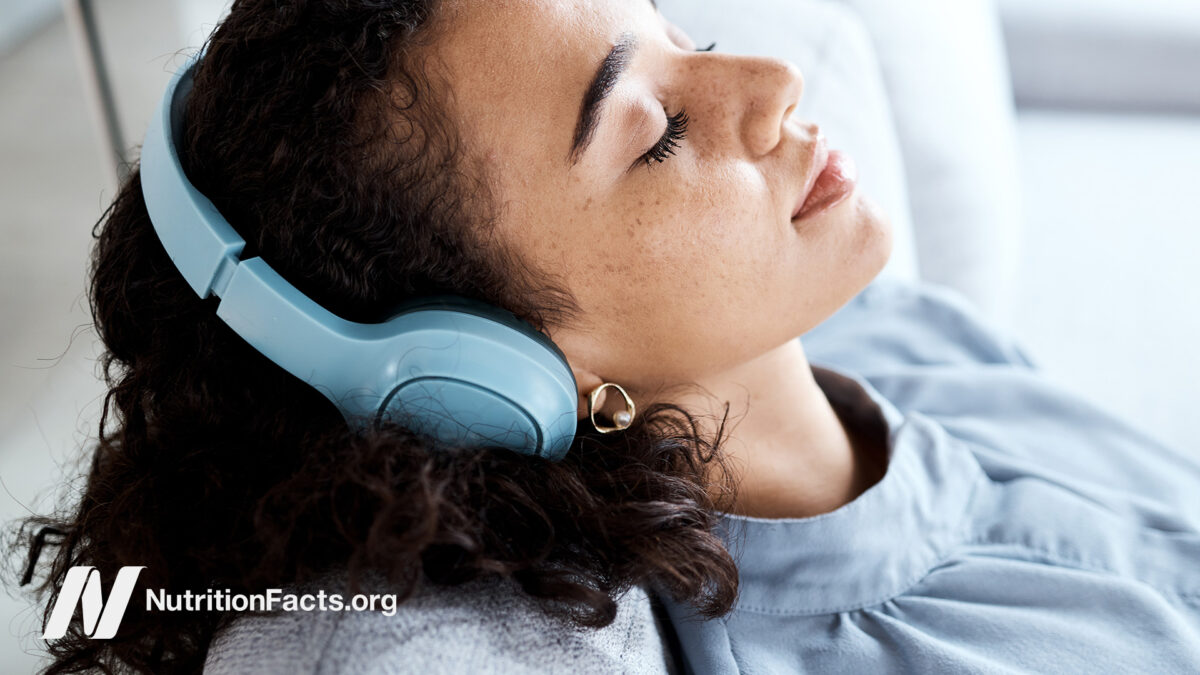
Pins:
x: 843, y: 91
x: 947, y: 80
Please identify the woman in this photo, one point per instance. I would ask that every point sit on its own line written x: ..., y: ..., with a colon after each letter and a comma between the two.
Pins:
x: 654, y: 210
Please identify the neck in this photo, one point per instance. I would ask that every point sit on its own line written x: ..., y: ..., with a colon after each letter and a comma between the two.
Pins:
x: 789, y: 453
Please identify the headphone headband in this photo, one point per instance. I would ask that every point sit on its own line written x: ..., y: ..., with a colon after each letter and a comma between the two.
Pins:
x: 198, y: 239
x: 463, y: 372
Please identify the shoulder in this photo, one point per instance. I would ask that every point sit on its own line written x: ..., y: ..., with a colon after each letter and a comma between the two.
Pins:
x: 487, y: 626
x: 896, y: 324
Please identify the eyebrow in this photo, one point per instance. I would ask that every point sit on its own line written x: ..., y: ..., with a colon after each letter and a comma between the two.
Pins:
x: 602, y: 85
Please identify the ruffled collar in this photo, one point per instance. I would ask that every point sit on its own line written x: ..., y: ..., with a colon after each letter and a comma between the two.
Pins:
x: 874, y: 547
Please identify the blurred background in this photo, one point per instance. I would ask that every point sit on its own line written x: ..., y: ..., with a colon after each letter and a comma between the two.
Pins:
x: 1103, y: 289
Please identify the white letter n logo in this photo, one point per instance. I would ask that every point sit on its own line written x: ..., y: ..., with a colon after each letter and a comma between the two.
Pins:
x: 100, y: 621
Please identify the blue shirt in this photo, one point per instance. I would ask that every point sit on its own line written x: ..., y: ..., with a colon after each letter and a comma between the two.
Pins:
x: 1017, y: 529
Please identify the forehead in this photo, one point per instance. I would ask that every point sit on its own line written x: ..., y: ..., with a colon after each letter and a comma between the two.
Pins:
x: 517, y: 69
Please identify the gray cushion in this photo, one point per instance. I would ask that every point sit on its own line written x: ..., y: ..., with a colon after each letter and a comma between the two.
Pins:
x: 1107, y: 54
x: 947, y: 78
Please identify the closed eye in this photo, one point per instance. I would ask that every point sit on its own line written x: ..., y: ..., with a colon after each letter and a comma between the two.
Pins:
x: 666, y: 146
x: 675, y: 132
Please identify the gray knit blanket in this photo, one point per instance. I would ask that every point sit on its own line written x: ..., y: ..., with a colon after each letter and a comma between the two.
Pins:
x: 479, y: 627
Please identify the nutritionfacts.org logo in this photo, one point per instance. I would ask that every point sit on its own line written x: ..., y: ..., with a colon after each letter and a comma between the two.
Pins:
x: 102, y: 617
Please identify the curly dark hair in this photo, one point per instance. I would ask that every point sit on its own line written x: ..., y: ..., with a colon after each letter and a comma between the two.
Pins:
x: 317, y: 128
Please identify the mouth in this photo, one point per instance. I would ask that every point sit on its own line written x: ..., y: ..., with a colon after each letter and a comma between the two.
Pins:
x: 831, y: 178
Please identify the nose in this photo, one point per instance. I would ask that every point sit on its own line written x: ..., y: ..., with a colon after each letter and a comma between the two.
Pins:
x: 771, y: 89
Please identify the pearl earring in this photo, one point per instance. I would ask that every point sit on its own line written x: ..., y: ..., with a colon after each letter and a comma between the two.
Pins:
x: 621, y: 419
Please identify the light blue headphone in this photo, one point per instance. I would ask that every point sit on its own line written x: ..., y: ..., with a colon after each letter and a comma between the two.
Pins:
x: 463, y: 372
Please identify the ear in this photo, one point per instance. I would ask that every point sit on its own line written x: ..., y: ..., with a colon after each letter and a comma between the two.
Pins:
x: 582, y: 351
x: 585, y: 382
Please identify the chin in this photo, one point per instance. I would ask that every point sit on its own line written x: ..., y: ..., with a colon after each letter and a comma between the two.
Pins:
x: 863, y: 247
x: 873, y: 241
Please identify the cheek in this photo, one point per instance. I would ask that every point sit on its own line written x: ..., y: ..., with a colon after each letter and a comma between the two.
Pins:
x: 719, y: 215
x: 703, y: 264
x: 694, y: 249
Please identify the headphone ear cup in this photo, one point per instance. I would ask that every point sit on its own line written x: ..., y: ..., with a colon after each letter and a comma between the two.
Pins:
x: 483, y: 310
x: 460, y: 414
x: 474, y: 375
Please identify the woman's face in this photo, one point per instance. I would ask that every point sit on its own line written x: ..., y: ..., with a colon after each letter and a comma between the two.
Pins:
x: 681, y: 268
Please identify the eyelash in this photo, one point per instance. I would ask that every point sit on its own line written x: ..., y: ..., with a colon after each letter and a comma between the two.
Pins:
x: 676, y: 131
x: 665, y: 147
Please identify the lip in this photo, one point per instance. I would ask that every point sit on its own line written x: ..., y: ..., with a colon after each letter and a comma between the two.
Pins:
x: 830, y: 181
